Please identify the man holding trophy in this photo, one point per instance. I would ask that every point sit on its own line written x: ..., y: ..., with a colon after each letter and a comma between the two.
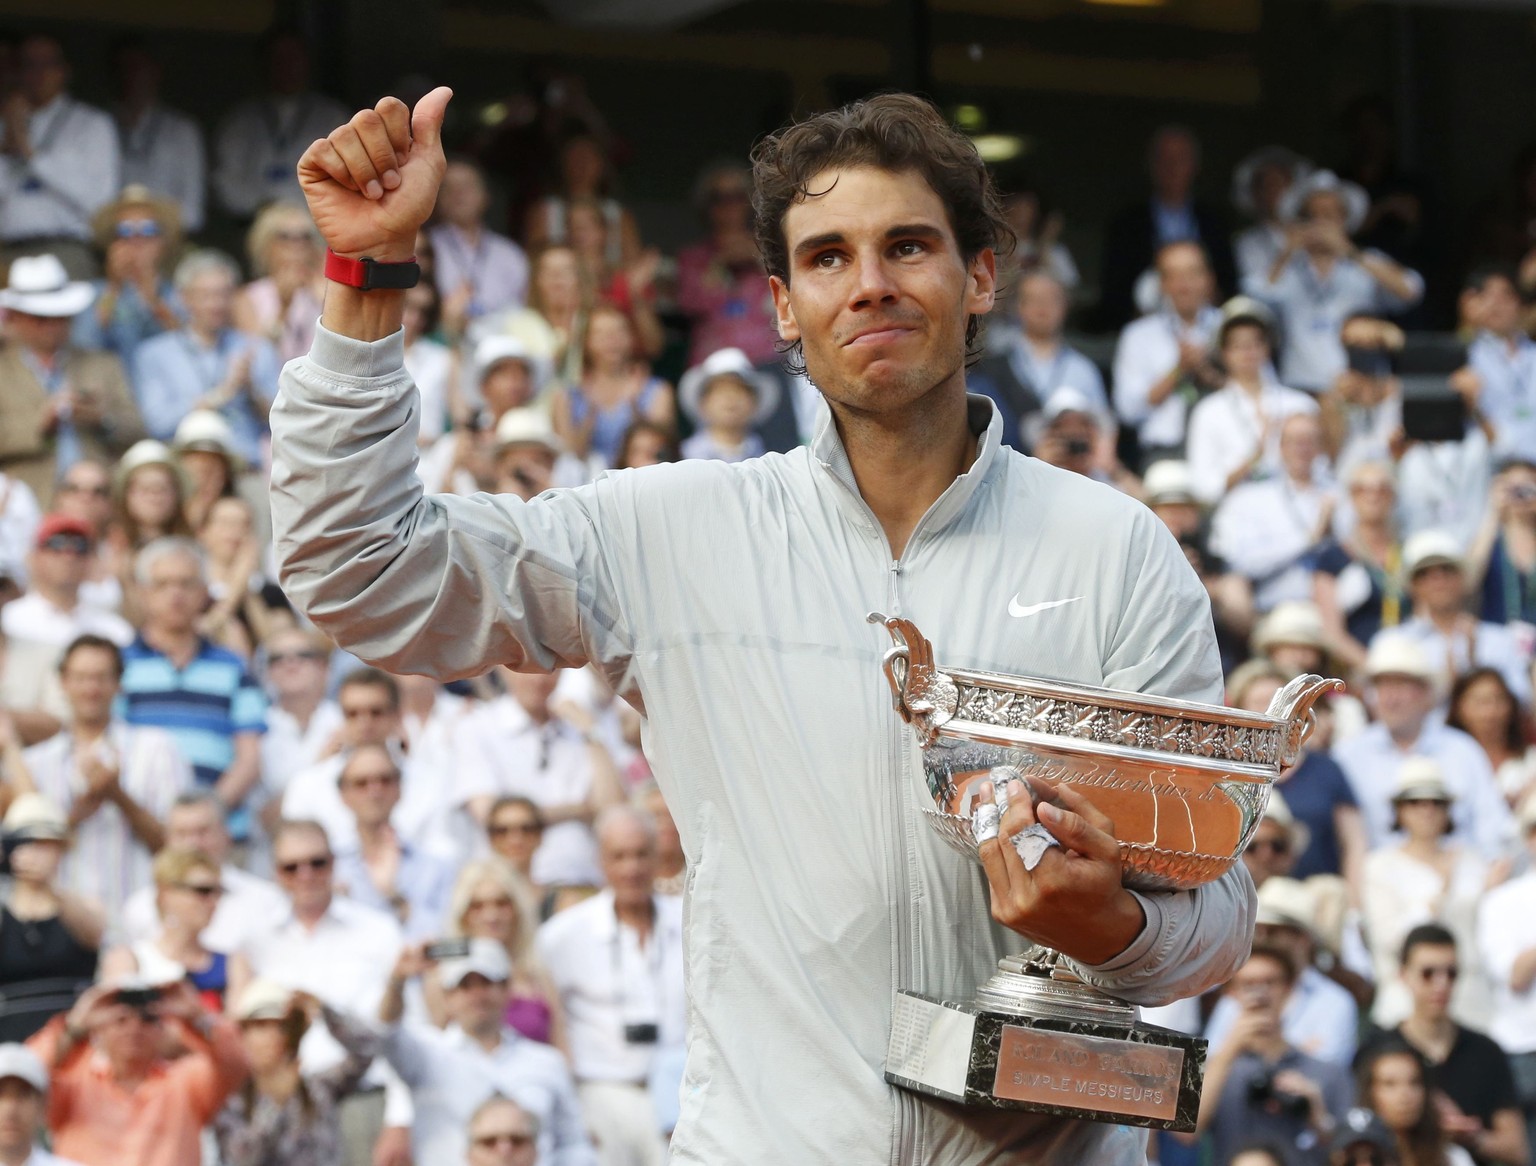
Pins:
x: 728, y: 603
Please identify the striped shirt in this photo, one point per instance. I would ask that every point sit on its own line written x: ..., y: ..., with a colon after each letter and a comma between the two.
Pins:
x: 202, y: 705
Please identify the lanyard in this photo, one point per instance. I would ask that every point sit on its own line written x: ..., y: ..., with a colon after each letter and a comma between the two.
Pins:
x: 61, y: 115
x: 472, y: 259
x: 282, y: 136
x: 138, y: 143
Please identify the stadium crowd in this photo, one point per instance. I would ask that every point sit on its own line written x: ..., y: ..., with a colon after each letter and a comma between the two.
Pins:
x: 265, y: 905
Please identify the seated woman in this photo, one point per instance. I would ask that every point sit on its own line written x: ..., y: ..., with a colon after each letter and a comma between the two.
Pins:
x: 616, y: 389
x: 1483, y: 706
x: 1391, y: 1082
x: 188, y: 888
x: 283, y: 303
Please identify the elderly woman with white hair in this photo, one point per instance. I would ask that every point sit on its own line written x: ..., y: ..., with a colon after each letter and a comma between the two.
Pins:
x: 209, y: 364
x: 283, y: 302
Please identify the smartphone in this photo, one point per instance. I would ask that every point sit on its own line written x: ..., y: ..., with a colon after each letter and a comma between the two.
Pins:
x: 448, y: 949
x: 1432, y: 410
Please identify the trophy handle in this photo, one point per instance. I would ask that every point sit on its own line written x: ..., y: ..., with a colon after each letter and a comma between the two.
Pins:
x: 1293, y: 705
x: 925, y: 698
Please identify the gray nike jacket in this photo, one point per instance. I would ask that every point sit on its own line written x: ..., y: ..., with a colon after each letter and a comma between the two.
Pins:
x: 727, y: 602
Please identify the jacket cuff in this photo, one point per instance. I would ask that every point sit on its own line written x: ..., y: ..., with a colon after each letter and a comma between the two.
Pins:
x: 1139, y: 955
x: 363, y: 359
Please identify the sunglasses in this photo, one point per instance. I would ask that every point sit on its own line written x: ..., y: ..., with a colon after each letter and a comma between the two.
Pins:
x: 203, y: 890
x: 364, y: 780
x: 1276, y: 846
x: 138, y: 229
x: 475, y: 904
x: 1441, y: 802
x: 501, y: 828
x: 294, y: 236
x: 76, y: 488
x: 516, y: 1141
x: 322, y: 862
x: 73, y: 544
x: 293, y: 657
x: 353, y: 714
x: 1450, y: 973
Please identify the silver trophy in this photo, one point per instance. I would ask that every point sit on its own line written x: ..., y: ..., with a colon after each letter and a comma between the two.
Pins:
x: 1185, y: 785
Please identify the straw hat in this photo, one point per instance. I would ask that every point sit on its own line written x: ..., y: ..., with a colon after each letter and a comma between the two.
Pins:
x: 34, y: 818
x: 263, y: 1000
x: 148, y: 452
x: 1169, y: 482
x: 1394, y: 654
x: 1285, y: 902
x: 1431, y: 548
x: 138, y: 197
x: 1295, y: 621
x: 494, y: 349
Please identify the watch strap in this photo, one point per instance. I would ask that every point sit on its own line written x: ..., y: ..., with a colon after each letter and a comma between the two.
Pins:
x: 369, y: 274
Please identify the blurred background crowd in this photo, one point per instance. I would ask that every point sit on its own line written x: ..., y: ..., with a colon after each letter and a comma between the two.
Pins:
x: 263, y: 904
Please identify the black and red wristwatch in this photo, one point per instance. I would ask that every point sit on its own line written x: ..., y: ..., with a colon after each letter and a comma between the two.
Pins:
x: 369, y: 274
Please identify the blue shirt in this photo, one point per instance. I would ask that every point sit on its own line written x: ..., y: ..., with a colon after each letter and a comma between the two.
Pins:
x: 1320, y: 1019
x: 132, y: 321
x: 171, y: 371
x: 424, y: 881
x: 1313, y: 792
x: 1508, y: 397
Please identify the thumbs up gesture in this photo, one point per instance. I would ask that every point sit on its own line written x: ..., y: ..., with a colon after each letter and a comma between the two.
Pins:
x: 372, y: 183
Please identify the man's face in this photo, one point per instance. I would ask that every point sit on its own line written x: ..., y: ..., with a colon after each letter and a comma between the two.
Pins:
x: 303, y: 863
x: 370, y: 786
x: 1301, y: 441
x: 41, y: 334
x: 878, y: 295
x: 21, y: 1116
x: 1439, y: 587
x: 1186, y: 278
x: 128, y: 1036
x: 369, y: 715
x: 210, y: 300
x: 532, y: 690
x: 89, y: 680
x: 502, y: 1135
x: 197, y: 827
x: 1269, y: 852
x: 295, y: 666
x: 1042, y: 307
x: 1499, y: 307
x: 1244, y: 351
x: 628, y: 857
x: 1260, y: 985
x: 175, y: 594
x: 85, y: 492
x: 1174, y: 163
x: 43, y: 70
x: 1402, y: 702
x: 1430, y: 975
x: 462, y: 198
x: 1290, y: 939
x: 477, y: 1003
x: 61, y: 562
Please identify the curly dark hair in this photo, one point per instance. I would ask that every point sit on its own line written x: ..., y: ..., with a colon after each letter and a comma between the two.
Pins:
x: 891, y: 131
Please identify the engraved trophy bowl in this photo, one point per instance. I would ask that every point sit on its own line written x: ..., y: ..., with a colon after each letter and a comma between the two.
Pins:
x: 1185, y: 785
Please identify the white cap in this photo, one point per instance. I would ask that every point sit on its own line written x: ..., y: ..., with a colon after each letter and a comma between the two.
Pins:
x: 527, y: 426
x: 35, y: 818
x: 1296, y: 621
x: 494, y: 349
x: 39, y: 286
x: 263, y: 1000
x: 1394, y: 654
x: 1422, y: 779
x: 486, y: 958
x: 22, y: 1063
x: 1286, y: 902
x: 1066, y: 399
x: 727, y: 362
x: 1430, y: 548
x: 206, y: 430
x: 1169, y: 481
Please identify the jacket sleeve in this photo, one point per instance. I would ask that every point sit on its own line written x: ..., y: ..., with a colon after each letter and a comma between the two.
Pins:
x: 435, y: 585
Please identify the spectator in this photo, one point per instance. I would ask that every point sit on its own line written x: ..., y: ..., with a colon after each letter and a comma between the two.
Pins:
x: 60, y: 404
x: 1357, y: 580
x: 208, y: 364
x: 236, y: 618
x: 1392, y: 1083
x: 1482, y: 706
x: 1258, y: 1155
x: 1502, y: 560
x: 1401, y: 689
x: 1319, y: 1017
x: 1363, y: 408
x: 1169, y: 492
x: 1258, y: 1085
x: 508, y: 377
x: 1427, y: 878
x: 617, y: 962
x: 116, y: 781
x: 1398, y: 213
x: 259, y: 143
x: 1258, y: 185
x: 1234, y: 434
x: 302, y: 722
x: 527, y: 453
x: 478, y: 271
x: 283, y: 1116
x: 340, y: 952
x: 187, y: 893
x: 51, y: 612
x: 1269, y: 530
x: 1276, y: 841
x: 204, y: 446
x: 370, y: 711
x: 247, y: 903
x: 1362, y: 1138
x: 1170, y: 215
x: 501, y: 1133
x: 433, y: 365
x: 586, y: 176
x: 646, y: 443
x: 177, y: 680
x: 1071, y: 435
x: 515, y: 828
x: 1506, y: 930
x: 1037, y: 246
x: 630, y: 288
x: 1474, y: 1091
x: 161, y: 148
x: 522, y: 746
x: 721, y: 285
x: 1163, y: 361
x: 553, y: 322
x: 492, y: 902
x: 140, y: 236
x: 85, y: 492
x: 1504, y: 359
x: 616, y: 389
x: 282, y: 303
x: 19, y: 516
x: 384, y: 870
x: 49, y: 936
x: 453, y: 1071
x: 725, y: 398
x: 115, y: 1098
x: 58, y: 162
x: 150, y: 492
x: 1437, y: 581
x: 23, y: 1103
x: 1321, y: 278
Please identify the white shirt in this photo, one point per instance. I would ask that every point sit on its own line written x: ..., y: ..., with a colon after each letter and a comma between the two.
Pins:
x: 1256, y: 250
x: 106, y: 862
x: 1066, y: 369
x: 259, y: 146
x: 420, y: 818
x: 248, y: 906
x: 1147, y: 352
x: 1506, y: 928
x: 443, y: 736
x: 1264, y: 530
x: 1479, y: 815
x: 287, y: 749
x: 1492, y: 645
x: 606, y: 981
x: 495, y: 268
x: 1228, y: 426
x: 1443, y: 485
x: 549, y: 764
x: 163, y: 150
x: 19, y: 516
x: 431, y: 366
x: 450, y: 1076
x: 31, y: 617
x: 73, y: 173
x: 1508, y: 396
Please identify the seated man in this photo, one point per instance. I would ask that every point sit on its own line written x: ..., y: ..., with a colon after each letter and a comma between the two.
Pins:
x: 453, y: 1071
x: 502, y: 1133
x: 1258, y: 1086
x: 23, y: 1101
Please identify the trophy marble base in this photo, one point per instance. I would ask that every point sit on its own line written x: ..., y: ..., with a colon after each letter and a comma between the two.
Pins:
x: 1128, y: 1074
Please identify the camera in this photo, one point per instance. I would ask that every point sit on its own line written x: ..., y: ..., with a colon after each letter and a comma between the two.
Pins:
x: 1262, y: 1094
x: 139, y: 998
x: 447, y: 949
x: 1523, y: 492
x: 641, y: 1034
x: 1077, y: 446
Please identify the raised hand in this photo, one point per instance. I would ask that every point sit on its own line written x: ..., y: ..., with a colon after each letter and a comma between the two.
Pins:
x: 372, y: 183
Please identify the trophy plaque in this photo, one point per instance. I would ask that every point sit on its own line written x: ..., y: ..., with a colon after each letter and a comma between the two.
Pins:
x: 1185, y: 784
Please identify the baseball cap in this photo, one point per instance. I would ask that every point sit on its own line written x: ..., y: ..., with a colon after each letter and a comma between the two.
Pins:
x: 263, y: 1000
x: 1431, y: 548
x: 527, y: 426
x: 1397, y: 655
x: 56, y: 524
x: 1169, y: 482
x: 486, y: 958
x: 34, y: 818
x: 1296, y: 621
x: 1361, y: 1127
x: 22, y: 1063
x: 1421, y: 779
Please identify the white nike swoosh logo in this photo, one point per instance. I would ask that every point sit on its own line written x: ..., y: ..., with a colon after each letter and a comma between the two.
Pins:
x: 1018, y: 611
